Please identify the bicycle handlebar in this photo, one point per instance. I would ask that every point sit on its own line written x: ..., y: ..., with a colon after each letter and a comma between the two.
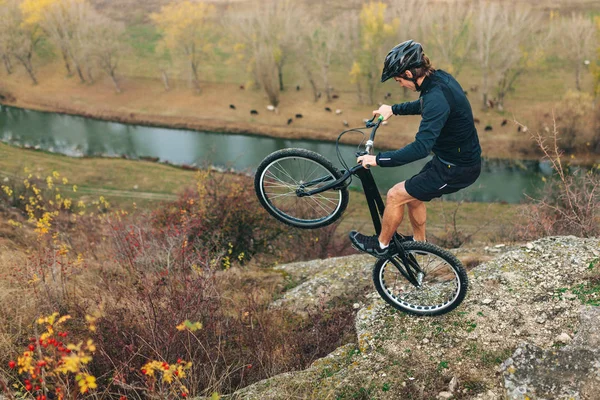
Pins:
x: 342, y: 181
x: 375, y: 125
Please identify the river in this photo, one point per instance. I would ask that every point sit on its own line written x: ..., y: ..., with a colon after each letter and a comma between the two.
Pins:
x: 500, y: 180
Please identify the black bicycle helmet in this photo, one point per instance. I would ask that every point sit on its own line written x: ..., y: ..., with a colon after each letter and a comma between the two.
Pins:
x: 402, y: 57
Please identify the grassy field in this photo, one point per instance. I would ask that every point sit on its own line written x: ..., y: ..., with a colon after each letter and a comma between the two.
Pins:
x: 148, y: 185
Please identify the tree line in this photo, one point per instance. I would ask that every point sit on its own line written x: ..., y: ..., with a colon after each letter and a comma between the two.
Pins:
x: 501, y: 41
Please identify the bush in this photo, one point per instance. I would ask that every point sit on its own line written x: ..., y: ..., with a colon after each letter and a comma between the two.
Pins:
x: 576, y: 120
x: 161, y: 279
x: 224, y: 213
x: 569, y: 203
x: 159, y: 289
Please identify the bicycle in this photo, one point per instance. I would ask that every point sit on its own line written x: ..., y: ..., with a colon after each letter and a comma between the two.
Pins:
x: 303, y: 189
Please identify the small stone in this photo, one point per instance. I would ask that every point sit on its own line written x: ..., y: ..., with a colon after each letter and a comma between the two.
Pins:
x: 425, y: 341
x: 563, y: 338
x: 498, y: 246
x: 135, y: 187
x: 445, y: 395
x: 529, y: 246
x: 356, y: 306
x: 452, y: 384
x: 541, y: 318
x: 487, y: 301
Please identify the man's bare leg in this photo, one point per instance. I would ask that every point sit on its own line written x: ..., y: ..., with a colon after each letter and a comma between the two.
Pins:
x: 397, y: 197
x: 417, y: 213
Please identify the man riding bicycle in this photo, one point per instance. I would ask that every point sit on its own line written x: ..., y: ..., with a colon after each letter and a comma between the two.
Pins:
x: 447, y: 129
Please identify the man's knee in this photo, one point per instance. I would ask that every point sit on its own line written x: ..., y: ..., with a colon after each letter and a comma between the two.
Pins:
x: 398, y: 194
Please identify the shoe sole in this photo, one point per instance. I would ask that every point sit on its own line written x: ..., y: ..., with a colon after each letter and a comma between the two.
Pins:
x: 382, y: 257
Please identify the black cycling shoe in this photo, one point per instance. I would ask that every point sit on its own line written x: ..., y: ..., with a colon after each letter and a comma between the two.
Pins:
x: 370, y: 245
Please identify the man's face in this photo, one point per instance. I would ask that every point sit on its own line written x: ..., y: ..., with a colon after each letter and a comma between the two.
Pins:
x: 405, y: 82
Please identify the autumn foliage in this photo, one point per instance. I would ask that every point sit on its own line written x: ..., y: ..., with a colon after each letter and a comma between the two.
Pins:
x: 153, y: 304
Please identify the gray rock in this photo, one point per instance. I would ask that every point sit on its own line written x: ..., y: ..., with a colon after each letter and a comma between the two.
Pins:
x: 588, y: 335
x: 563, y: 338
x: 570, y: 372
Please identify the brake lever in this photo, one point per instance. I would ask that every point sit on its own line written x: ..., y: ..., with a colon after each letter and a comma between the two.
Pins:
x: 370, y: 123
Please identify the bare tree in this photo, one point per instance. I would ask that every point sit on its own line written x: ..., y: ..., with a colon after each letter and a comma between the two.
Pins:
x: 376, y: 34
x: 577, y: 36
x: 164, y: 63
x: 413, y: 19
x: 282, y: 27
x: 493, y: 45
x: 449, y: 40
x: 524, y: 45
x: 18, y: 38
x: 266, y: 69
x: 318, y: 45
x: 8, y: 26
x: 65, y: 23
x: 265, y: 36
x: 189, y: 37
x: 7, y: 63
x: 106, y: 41
x: 4, y: 51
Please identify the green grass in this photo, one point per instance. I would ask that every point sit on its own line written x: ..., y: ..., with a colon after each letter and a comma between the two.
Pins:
x: 143, y: 39
x: 93, y: 174
x: 99, y: 174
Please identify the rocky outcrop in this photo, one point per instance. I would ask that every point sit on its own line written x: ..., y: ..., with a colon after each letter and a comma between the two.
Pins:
x: 323, y: 280
x: 570, y: 372
x: 511, y: 337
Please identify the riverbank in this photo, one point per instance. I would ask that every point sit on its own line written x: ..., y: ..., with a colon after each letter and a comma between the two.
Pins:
x: 225, y: 107
x: 129, y: 184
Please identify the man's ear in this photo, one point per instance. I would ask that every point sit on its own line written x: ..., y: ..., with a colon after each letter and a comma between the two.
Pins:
x: 408, y: 74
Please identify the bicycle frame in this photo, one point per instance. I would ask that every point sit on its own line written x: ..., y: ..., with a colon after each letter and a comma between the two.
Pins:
x: 374, y: 201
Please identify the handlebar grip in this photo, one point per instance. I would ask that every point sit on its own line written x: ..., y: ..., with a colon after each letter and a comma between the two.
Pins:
x: 364, y: 166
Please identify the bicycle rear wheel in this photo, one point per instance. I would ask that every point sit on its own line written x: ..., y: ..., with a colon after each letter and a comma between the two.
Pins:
x: 442, y: 281
x: 283, y: 172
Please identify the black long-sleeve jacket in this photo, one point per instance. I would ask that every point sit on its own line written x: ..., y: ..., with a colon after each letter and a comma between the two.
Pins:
x: 447, y: 128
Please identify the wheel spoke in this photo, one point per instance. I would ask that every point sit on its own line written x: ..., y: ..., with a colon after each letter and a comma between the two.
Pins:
x: 284, y: 176
x: 283, y: 171
x: 438, y: 288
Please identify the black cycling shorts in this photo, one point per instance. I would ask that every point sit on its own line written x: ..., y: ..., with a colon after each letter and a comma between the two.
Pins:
x: 438, y: 178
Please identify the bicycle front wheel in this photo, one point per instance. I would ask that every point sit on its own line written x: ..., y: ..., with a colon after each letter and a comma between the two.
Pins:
x: 442, y: 280
x: 284, y: 173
